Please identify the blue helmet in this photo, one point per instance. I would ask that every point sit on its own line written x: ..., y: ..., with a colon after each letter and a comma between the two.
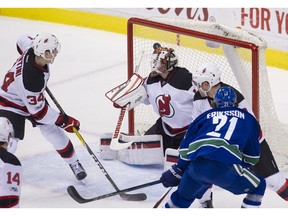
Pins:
x: 225, y: 97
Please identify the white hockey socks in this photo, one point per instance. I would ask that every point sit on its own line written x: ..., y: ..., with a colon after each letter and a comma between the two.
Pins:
x: 275, y: 182
x: 279, y: 184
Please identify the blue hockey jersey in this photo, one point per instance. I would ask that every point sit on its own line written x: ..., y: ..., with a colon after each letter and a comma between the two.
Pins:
x: 228, y: 135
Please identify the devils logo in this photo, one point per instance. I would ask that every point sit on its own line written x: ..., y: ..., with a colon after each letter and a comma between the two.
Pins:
x: 164, y: 107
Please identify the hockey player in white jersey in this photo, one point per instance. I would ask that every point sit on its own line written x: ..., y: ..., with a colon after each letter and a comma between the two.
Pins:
x: 170, y: 91
x: 219, y: 147
x: 10, y: 169
x: 22, y: 96
x: 208, y: 79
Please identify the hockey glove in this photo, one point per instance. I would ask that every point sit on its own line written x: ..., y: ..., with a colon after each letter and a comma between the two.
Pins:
x: 67, y: 123
x: 171, y: 177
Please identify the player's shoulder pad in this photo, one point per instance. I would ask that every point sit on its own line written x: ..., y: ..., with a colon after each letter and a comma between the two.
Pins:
x: 33, y: 77
x: 24, y: 42
x: 181, y: 78
x: 151, y: 80
x: 198, y: 96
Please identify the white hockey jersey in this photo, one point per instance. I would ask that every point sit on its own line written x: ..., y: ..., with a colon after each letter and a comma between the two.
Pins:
x: 10, y: 179
x: 23, y: 88
x: 172, y: 99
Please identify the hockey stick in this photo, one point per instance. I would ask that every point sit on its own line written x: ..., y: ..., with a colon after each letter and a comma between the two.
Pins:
x: 116, y: 93
x: 114, y: 144
x: 78, y: 198
x: 130, y: 197
x: 162, y: 198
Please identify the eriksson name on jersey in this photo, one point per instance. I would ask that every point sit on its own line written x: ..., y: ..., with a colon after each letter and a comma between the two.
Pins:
x: 235, y: 113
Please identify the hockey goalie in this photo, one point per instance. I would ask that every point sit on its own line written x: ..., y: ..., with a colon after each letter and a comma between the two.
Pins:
x: 135, y: 150
x: 171, y: 92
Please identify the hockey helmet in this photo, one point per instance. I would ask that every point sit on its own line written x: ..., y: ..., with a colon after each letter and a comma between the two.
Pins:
x: 6, y: 130
x: 163, y: 59
x: 208, y: 72
x: 225, y: 97
x: 46, y: 42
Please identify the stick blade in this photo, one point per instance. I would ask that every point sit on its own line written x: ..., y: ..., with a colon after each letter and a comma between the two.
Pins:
x: 75, y: 195
x: 115, y: 145
x: 127, y: 197
x: 134, y: 197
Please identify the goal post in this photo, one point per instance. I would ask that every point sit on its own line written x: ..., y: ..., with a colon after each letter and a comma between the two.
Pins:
x: 239, y: 54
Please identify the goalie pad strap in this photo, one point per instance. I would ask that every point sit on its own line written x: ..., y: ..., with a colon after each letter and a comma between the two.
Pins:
x: 146, y: 141
x: 171, y: 157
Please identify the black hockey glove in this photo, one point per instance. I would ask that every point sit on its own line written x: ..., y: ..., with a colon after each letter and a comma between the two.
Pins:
x: 171, y: 177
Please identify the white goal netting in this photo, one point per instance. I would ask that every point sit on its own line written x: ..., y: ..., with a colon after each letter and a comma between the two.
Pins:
x: 241, y: 57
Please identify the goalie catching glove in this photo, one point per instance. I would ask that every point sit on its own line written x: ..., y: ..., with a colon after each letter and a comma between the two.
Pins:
x: 132, y: 93
x: 67, y: 122
x: 133, y: 98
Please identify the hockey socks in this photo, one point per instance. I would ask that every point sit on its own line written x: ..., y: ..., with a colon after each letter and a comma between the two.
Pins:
x: 283, y: 191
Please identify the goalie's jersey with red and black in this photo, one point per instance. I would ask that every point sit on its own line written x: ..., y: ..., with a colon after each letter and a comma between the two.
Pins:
x: 172, y: 99
x: 10, y: 179
x: 23, y: 89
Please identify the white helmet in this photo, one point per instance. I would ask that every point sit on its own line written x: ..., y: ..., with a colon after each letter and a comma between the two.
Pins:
x: 207, y: 73
x: 44, y: 42
x: 6, y: 130
x: 163, y: 59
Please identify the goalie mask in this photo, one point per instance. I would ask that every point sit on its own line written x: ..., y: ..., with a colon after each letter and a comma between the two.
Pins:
x: 46, y: 42
x: 207, y: 73
x: 163, y: 59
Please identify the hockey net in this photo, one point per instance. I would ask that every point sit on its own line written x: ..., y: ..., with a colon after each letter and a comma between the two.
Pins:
x: 240, y: 56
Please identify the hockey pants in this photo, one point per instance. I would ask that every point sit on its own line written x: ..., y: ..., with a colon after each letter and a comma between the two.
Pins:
x: 202, y: 173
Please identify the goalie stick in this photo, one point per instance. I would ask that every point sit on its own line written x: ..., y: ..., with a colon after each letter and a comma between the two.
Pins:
x: 114, y: 144
x: 130, y: 197
x: 78, y: 198
x: 117, y: 93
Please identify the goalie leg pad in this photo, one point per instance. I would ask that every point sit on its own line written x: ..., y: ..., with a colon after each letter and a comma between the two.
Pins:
x: 145, y: 150
x: 105, y: 152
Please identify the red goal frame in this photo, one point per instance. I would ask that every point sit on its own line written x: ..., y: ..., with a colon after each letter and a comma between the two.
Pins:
x: 147, y: 23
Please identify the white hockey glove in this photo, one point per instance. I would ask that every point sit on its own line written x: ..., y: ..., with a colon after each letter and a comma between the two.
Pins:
x: 131, y: 92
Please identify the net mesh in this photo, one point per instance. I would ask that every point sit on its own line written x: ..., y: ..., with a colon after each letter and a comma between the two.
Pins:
x: 229, y: 48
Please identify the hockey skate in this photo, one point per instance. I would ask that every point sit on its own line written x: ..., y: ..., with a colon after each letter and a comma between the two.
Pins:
x: 208, y: 203
x: 78, y: 170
